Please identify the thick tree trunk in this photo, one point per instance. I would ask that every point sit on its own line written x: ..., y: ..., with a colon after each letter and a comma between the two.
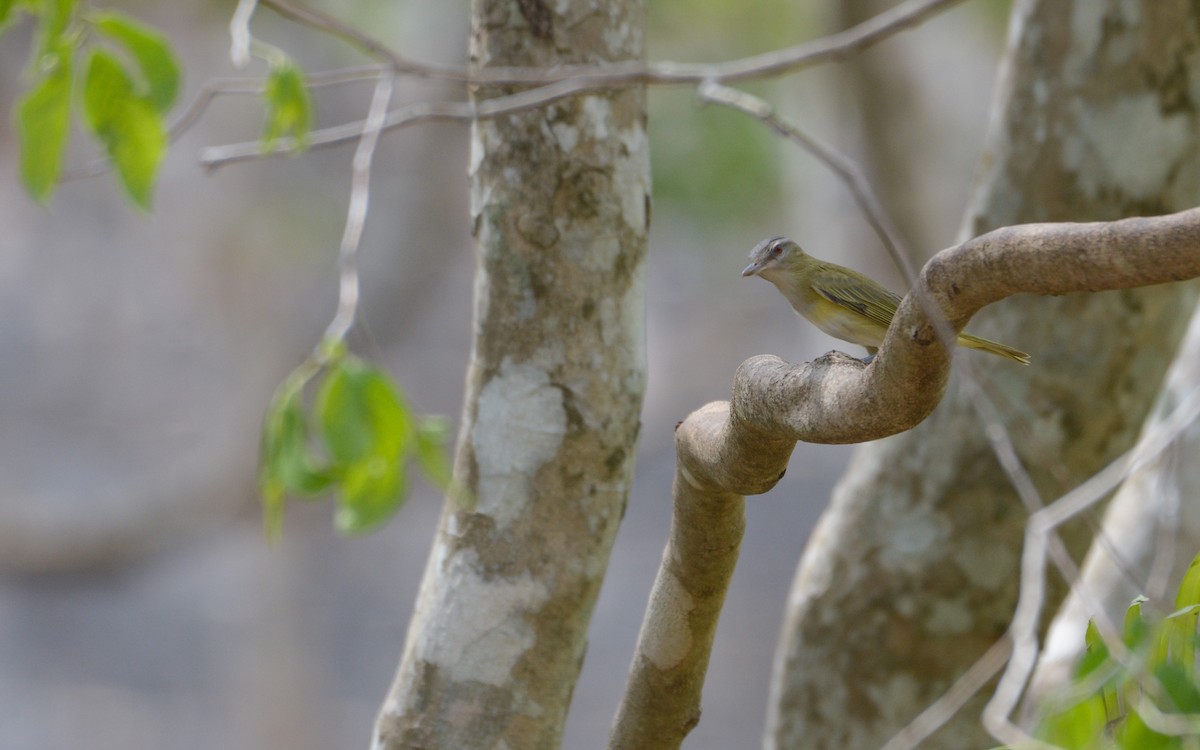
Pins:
x: 560, y: 205
x: 911, y: 574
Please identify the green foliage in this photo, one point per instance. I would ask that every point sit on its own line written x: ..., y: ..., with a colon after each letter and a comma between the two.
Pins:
x: 43, y: 123
x: 1124, y: 703
x: 156, y: 63
x: 127, y: 124
x: 125, y: 92
x: 358, y: 439
x: 289, y: 108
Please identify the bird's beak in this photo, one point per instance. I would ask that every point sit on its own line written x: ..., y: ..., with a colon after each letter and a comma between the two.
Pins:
x: 751, y: 269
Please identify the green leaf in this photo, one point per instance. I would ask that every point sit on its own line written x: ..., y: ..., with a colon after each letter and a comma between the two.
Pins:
x: 289, y: 108
x: 286, y: 457
x: 372, y: 491
x: 56, y: 21
x: 1136, y: 629
x: 272, y: 493
x: 128, y: 125
x: 361, y: 413
x: 6, y: 7
x: 1177, y: 640
x: 1133, y: 734
x: 1095, y: 654
x: 1179, y: 682
x: 1079, y: 726
x: 432, y: 433
x: 152, y: 52
x: 44, y: 122
x: 368, y: 429
x: 1189, y: 587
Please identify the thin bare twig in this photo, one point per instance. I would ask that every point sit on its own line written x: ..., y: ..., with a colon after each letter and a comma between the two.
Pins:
x: 464, y: 112
x: 240, y: 39
x: 356, y: 218
x: 943, y: 709
x: 328, y: 24
x: 558, y: 83
x: 789, y: 59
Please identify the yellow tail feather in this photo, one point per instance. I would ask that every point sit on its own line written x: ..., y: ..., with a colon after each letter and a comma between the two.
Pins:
x: 992, y: 347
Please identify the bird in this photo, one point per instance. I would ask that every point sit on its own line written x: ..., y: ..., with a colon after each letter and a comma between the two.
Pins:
x: 842, y: 302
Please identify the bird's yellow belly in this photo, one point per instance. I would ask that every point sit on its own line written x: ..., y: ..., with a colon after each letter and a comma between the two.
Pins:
x: 844, y: 324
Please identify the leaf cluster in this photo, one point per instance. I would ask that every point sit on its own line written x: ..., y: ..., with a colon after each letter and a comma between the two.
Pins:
x: 120, y: 73
x: 122, y: 77
x: 1149, y: 698
x: 356, y: 438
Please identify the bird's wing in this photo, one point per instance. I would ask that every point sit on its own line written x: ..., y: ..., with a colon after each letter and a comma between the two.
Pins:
x: 872, y: 300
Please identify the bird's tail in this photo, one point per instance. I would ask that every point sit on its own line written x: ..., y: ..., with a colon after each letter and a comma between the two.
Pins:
x: 992, y: 347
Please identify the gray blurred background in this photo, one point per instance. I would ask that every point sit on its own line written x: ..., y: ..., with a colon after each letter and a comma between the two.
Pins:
x: 140, y: 606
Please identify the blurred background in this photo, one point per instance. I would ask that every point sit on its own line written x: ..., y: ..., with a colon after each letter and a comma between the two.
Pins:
x: 140, y: 606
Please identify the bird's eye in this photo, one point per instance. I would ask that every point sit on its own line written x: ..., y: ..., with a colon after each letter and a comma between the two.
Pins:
x: 776, y: 250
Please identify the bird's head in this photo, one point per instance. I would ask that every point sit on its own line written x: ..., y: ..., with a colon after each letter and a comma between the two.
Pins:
x: 771, y: 257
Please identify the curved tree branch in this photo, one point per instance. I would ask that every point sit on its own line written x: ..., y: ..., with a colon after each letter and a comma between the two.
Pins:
x: 838, y: 399
x: 730, y: 449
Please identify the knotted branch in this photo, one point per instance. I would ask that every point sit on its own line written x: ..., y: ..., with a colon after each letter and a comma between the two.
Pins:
x: 726, y: 450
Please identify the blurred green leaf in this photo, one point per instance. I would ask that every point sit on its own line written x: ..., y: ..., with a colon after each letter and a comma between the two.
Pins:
x: 289, y: 108
x: 6, y: 7
x: 157, y: 63
x: 1179, y: 684
x: 1189, y: 587
x: 361, y: 412
x: 1078, y: 727
x: 1135, y: 628
x: 368, y: 429
x: 432, y: 434
x: 129, y: 126
x: 271, y: 489
x: 43, y: 124
x: 1133, y: 734
x: 291, y: 458
x: 286, y: 461
x: 56, y: 22
x: 1178, y: 639
x: 372, y: 491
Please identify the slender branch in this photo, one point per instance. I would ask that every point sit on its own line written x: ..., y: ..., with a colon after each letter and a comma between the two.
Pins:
x: 328, y: 24
x: 356, y: 218
x: 789, y: 59
x: 240, y: 38
x: 558, y: 83
x: 661, y: 701
x: 464, y: 112
x: 943, y: 709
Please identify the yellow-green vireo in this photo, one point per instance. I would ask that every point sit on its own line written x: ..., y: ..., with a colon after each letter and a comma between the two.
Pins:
x: 841, y: 302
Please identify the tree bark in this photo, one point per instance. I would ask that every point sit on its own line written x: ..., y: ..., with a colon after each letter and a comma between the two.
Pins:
x: 911, y: 574
x: 560, y: 205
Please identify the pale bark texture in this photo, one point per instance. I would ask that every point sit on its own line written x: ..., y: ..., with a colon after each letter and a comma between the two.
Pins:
x: 560, y: 209
x: 911, y: 574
